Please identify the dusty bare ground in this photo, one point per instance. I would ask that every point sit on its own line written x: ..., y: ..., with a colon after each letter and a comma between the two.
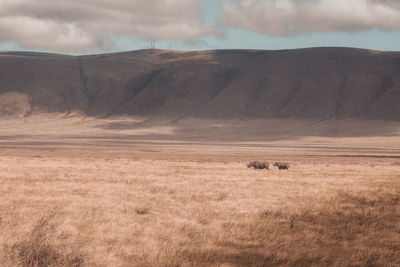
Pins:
x: 181, y: 203
x: 277, y: 136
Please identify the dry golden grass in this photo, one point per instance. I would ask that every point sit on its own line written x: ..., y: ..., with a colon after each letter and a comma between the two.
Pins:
x: 122, y: 208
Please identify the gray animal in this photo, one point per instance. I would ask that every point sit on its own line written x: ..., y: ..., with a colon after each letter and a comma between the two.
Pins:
x: 258, y: 165
x: 282, y: 165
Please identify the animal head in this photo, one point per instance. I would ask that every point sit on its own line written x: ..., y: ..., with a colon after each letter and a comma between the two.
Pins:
x: 251, y: 164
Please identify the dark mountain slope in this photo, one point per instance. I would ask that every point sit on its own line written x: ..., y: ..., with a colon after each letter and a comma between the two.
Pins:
x: 315, y: 83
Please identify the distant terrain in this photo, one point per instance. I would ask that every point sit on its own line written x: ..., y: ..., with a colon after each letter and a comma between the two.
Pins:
x: 311, y: 84
x: 140, y: 158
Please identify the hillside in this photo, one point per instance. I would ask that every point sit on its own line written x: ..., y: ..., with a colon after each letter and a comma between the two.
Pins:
x: 314, y: 83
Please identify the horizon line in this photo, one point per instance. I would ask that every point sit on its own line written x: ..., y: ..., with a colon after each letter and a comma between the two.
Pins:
x: 192, y: 51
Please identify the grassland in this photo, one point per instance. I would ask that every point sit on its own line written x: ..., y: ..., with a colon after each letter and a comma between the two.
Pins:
x: 196, y: 205
x: 122, y: 209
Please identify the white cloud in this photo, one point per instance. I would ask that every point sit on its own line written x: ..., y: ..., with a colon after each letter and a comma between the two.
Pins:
x: 76, y: 25
x: 291, y: 17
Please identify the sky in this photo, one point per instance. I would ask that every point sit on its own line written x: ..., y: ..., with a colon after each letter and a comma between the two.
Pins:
x: 97, y: 26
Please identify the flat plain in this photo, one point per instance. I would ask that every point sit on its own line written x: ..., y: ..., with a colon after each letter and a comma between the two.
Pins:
x: 96, y: 192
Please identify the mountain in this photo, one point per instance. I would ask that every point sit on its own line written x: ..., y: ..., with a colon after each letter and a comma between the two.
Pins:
x: 312, y: 83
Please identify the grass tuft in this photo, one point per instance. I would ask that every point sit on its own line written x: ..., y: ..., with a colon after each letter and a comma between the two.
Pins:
x: 40, y: 247
x: 142, y: 210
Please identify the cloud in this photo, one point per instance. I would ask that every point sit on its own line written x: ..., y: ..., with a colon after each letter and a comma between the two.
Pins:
x: 294, y: 17
x: 76, y: 25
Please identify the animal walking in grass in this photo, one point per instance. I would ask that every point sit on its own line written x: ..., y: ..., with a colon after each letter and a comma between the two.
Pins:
x: 281, y: 165
x: 258, y: 165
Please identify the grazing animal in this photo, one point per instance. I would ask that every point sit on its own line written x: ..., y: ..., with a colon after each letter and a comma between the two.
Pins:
x: 282, y: 165
x: 258, y: 165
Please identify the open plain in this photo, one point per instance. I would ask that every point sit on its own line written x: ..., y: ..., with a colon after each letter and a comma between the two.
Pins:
x: 79, y: 191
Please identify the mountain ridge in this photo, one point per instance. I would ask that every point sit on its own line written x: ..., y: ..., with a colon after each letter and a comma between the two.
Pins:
x: 310, y: 83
